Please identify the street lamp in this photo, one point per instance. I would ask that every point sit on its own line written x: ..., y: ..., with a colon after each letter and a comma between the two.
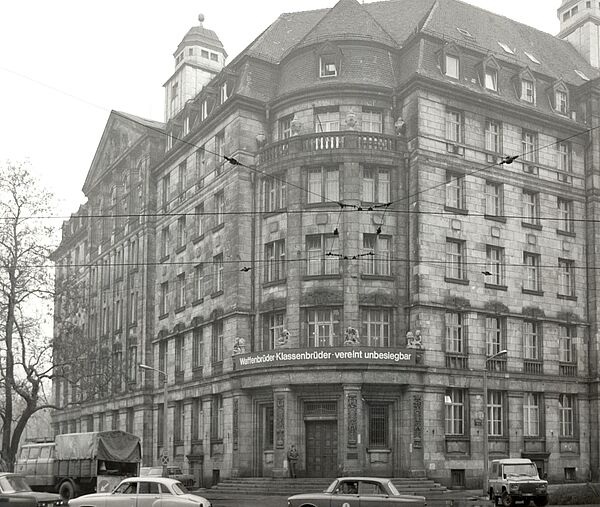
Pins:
x: 486, y: 449
x: 165, y: 458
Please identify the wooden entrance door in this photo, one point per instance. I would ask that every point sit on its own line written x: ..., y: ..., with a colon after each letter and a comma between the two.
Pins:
x: 321, y: 449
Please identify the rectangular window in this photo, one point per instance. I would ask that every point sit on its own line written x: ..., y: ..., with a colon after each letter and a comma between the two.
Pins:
x: 164, y: 298
x: 455, y: 190
x: 179, y: 353
x: 561, y: 103
x: 220, y: 208
x: 375, y: 185
x: 275, y: 267
x: 494, y: 335
x: 371, y: 121
x: 180, y: 291
x: 531, y: 280
x: 198, y: 282
x: 216, y: 418
x: 377, y: 260
x: 217, y: 342
x: 566, y: 407
x: 456, y: 333
x: 454, y: 126
x: 223, y: 92
x: 531, y: 415
x: 529, y: 146
x: 164, y: 242
x: 285, y: 127
x: 182, y: 179
x: 531, y: 207
x: 493, y: 132
x: 455, y: 259
x: 563, y: 153
x: 165, y: 189
x: 491, y: 79
x: 531, y: 341
x: 452, y: 66
x: 218, y: 270
x: 162, y: 355
x: 197, y: 348
x: 566, y: 277
x: 328, y: 66
x: 274, y: 189
x: 273, y: 326
x: 495, y: 410
x: 199, y: 220
x: 201, y: 164
x: 323, y: 185
x: 323, y: 327
x: 181, y: 232
x: 565, y: 215
x: 322, y: 255
x: 219, y: 151
x: 327, y: 120
x: 376, y: 327
x: 197, y: 416
x: 527, y: 90
x: 133, y: 363
x: 378, y: 425
x: 493, y: 199
x: 455, y: 411
x: 566, y: 344
x: 494, y: 265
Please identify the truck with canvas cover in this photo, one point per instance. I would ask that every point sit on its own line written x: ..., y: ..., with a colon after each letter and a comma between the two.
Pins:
x: 80, y: 463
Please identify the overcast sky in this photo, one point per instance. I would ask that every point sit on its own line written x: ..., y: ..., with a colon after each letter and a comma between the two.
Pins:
x: 64, y: 64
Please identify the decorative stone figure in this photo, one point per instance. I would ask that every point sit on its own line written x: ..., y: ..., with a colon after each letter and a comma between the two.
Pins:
x: 283, y: 338
x: 414, y: 340
x: 351, y: 337
x: 261, y: 140
x: 239, y: 346
x: 400, y: 126
x: 351, y: 120
x: 295, y: 126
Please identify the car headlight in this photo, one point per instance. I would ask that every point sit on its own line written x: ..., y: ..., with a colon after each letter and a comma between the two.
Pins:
x: 541, y: 489
x: 514, y: 487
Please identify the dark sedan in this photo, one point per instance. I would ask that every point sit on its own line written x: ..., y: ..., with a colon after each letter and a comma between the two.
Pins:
x: 14, y: 485
x: 357, y: 492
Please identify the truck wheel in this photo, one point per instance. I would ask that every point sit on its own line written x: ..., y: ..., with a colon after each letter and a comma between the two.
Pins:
x: 66, y: 490
x: 507, y: 500
x: 540, y: 501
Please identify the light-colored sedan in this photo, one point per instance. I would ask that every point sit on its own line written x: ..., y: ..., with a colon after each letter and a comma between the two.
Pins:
x: 357, y: 492
x: 143, y: 492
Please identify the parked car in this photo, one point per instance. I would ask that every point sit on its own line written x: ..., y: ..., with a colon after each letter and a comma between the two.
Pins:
x: 173, y: 472
x: 17, y: 501
x: 15, y: 485
x: 143, y: 491
x: 516, y: 479
x: 356, y: 491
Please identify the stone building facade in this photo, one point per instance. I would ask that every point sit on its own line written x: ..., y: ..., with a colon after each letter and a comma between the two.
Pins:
x: 338, y: 233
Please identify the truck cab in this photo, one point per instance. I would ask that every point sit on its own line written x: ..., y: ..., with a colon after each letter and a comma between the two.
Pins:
x: 516, y: 479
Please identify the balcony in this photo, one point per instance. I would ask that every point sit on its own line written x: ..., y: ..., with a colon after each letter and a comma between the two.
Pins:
x: 567, y: 369
x: 327, y: 142
x: 456, y: 361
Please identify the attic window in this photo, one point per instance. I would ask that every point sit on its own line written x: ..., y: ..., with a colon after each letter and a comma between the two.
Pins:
x: 582, y: 75
x: 464, y: 32
x: 506, y: 48
x: 532, y: 58
x: 328, y: 66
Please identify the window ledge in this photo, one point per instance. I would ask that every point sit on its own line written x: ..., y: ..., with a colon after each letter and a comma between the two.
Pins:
x: 198, y: 301
x: 218, y: 227
x: 529, y: 225
x: 566, y: 297
x: 163, y: 316
x: 322, y: 277
x: 387, y: 278
x: 274, y: 212
x: 532, y: 292
x: 216, y: 294
x: 460, y: 281
x: 197, y: 239
x: 496, y: 287
x: 181, y: 249
x: 566, y: 233
x: 495, y: 218
x: 180, y: 309
x: 164, y: 259
x: 458, y: 211
x: 274, y: 283
x: 322, y: 204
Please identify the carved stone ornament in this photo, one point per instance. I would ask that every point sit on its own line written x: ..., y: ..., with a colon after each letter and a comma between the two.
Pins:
x: 351, y: 337
x: 236, y: 426
x: 417, y: 421
x: 279, y: 422
x: 352, y: 420
x: 261, y: 140
x: 414, y: 340
x: 239, y: 346
x: 400, y: 126
x: 295, y: 126
x: 351, y: 120
x: 283, y: 338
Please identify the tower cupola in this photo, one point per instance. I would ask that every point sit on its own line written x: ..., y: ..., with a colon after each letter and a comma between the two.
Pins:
x: 580, y: 25
x: 199, y: 57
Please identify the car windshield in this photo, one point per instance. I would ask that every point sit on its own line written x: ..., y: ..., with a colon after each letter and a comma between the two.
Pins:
x: 332, y: 487
x: 180, y: 489
x: 13, y: 484
x: 392, y: 488
x: 524, y: 469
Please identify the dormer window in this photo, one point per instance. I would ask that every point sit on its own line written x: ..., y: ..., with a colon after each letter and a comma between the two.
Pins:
x: 452, y: 66
x: 532, y: 58
x: 506, y: 48
x: 179, y: 58
x: 223, y: 92
x: 528, y: 91
x: 561, y: 101
x: 204, y: 110
x: 465, y: 33
x: 328, y: 66
x: 491, y: 79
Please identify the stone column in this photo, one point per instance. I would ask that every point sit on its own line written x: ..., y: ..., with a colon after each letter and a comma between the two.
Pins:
x: 352, y: 451
x: 283, y: 436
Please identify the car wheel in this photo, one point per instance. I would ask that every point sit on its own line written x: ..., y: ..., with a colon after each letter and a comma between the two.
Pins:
x: 507, y: 500
x: 540, y: 501
x: 66, y: 490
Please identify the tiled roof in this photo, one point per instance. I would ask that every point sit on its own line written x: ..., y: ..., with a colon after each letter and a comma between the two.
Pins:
x: 152, y: 124
x: 202, y: 36
x: 347, y: 19
x: 394, y: 21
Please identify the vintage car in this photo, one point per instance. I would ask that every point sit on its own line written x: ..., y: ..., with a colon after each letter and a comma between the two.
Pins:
x: 514, y: 480
x: 355, y: 492
x: 14, y: 485
x: 173, y: 472
x: 143, y: 492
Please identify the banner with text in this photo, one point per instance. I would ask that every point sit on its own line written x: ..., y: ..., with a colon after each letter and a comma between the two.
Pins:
x: 359, y: 356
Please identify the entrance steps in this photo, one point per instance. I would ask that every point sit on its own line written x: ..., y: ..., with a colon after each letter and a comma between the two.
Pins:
x: 259, y: 486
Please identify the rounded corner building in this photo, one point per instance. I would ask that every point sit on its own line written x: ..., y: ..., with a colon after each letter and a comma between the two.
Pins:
x: 370, y: 235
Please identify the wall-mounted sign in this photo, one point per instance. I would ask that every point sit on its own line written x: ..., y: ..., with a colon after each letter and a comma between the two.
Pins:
x: 359, y: 356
